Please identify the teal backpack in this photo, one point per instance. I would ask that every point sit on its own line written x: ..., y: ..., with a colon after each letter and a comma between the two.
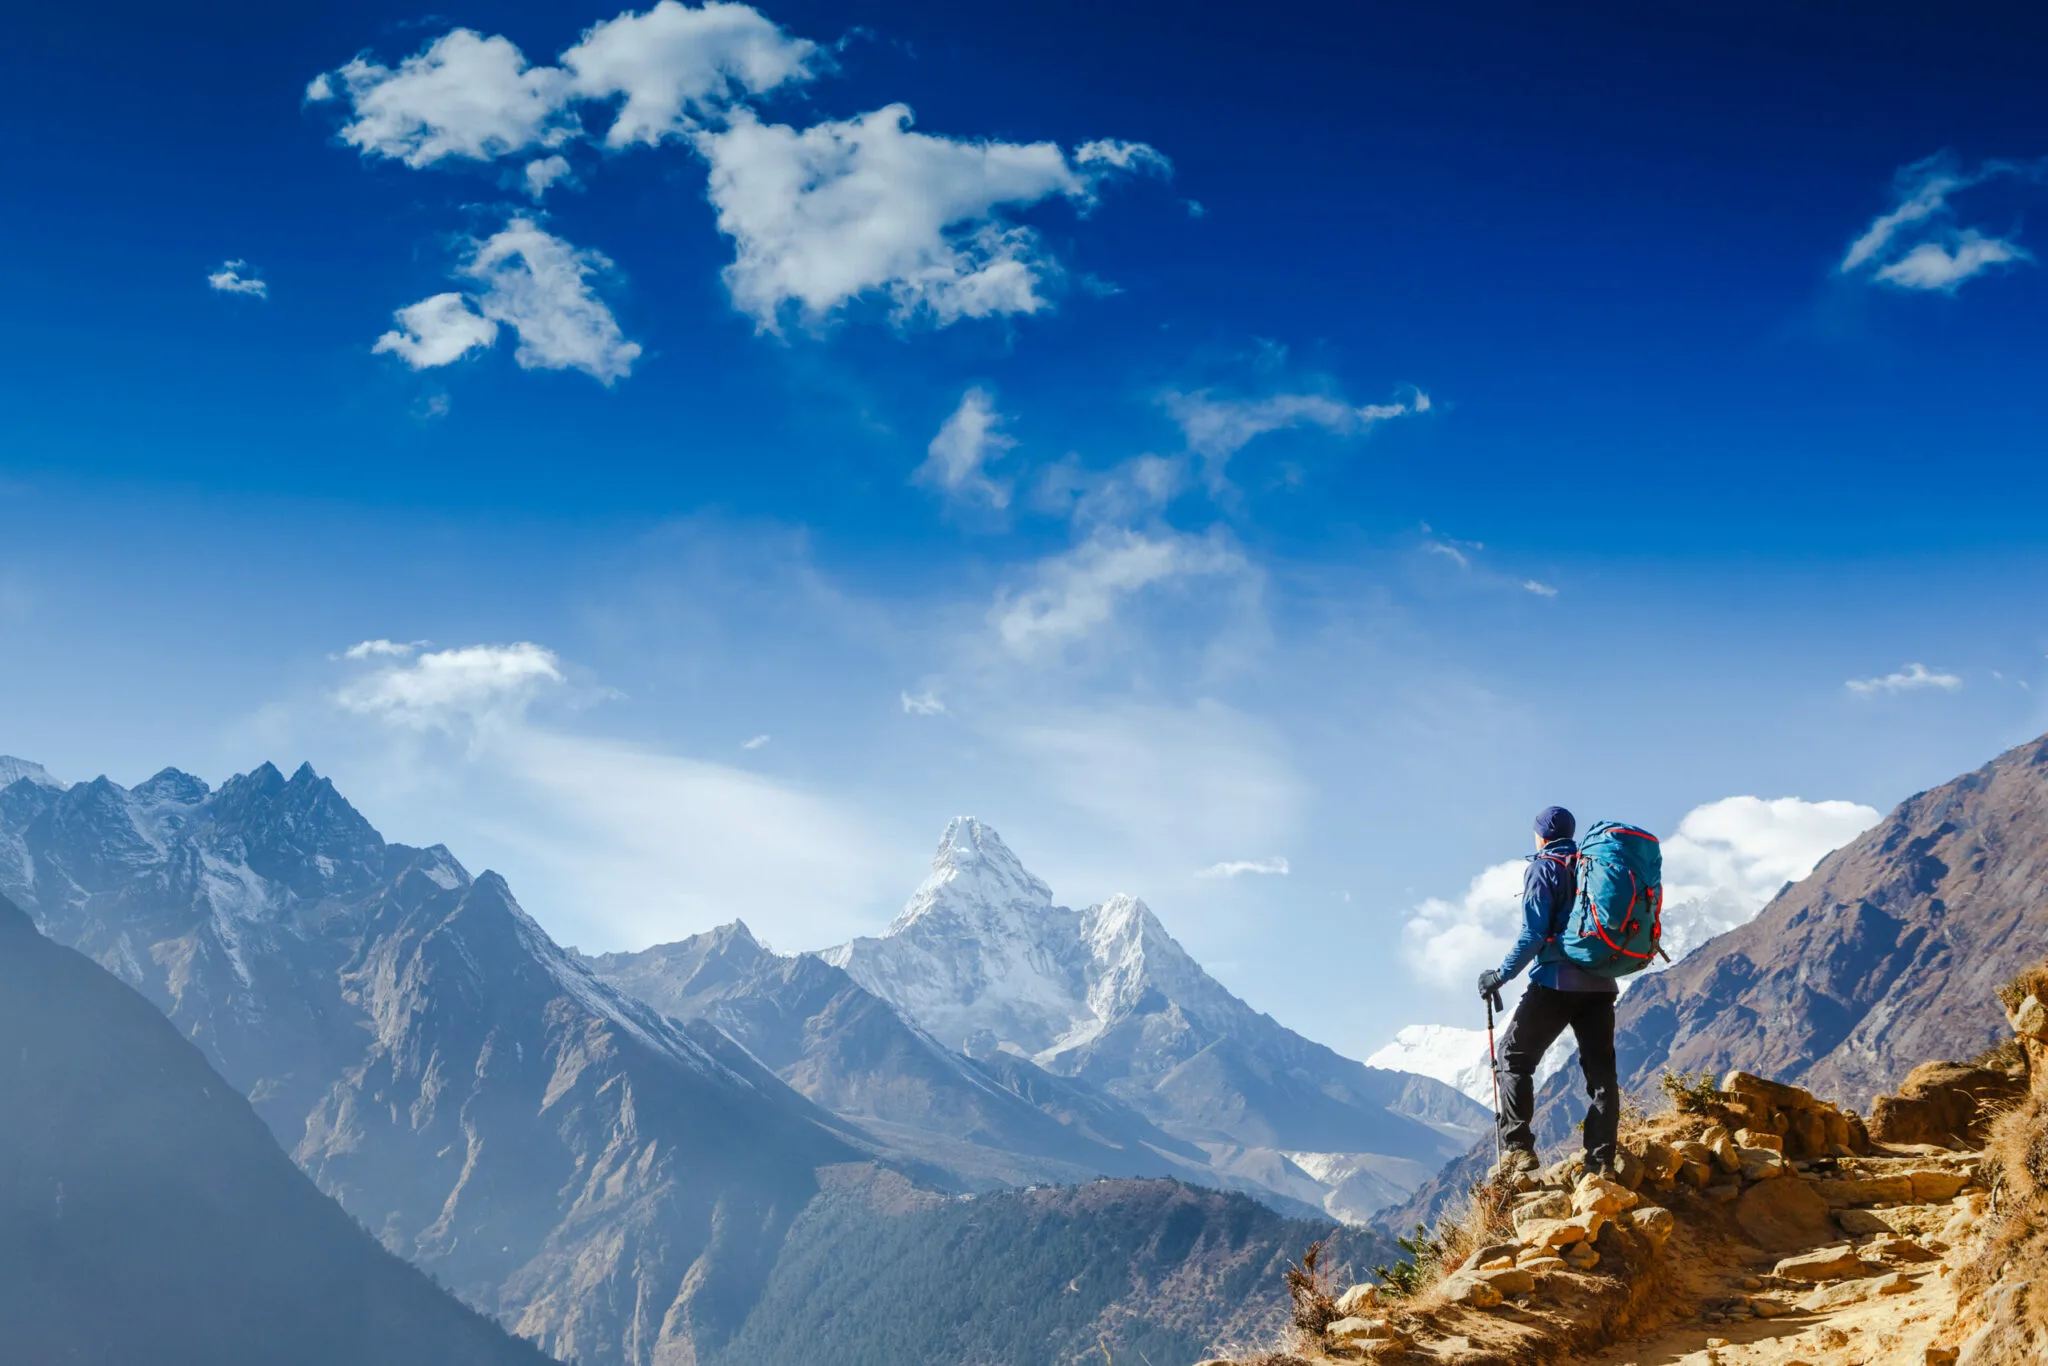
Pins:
x: 1617, y: 916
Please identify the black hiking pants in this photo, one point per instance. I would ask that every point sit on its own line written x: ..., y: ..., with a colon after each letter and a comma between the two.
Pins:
x: 1543, y: 1014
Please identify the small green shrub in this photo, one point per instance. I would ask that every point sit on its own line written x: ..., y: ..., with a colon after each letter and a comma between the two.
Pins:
x: 1690, y: 1094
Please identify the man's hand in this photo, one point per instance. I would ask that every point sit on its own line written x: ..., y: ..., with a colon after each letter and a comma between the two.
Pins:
x: 1490, y: 983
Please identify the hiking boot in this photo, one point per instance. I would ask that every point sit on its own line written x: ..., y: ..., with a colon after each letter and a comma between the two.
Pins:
x: 1513, y: 1163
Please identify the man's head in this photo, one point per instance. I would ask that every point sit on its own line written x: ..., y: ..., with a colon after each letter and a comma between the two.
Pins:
x: 1554, y: 823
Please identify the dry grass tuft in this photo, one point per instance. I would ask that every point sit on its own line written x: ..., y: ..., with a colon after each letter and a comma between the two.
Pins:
x: 1308, y: 1286
x: 1435, y: 1253
x: 1275, y: 1359
x: 2032, y: 982
x: 1690, y: 1094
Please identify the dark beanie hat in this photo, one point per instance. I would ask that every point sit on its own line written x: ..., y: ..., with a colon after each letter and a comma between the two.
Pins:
x: 1555, y: 823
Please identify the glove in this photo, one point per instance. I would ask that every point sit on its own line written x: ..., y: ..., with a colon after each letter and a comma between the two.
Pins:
x: 1490, y: 983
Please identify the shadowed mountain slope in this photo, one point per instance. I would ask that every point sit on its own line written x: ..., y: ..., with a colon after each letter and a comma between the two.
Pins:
x: 146, y: 1214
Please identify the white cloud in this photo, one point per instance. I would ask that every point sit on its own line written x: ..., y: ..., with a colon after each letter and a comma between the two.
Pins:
x: 674, y: 62
x: 1452, y: 551
x: 230, y: 280
x: 536, y: 284
x: 1217, y: 428
x: 1729, y: 858
x: 866, y: 205
x: 923, y: 704
x: 469, y: 96
x: 1233, y: 868
x: 1539, y: 588
x: 1916, y: 244
x: 1129, y: 490
x: 539, y: 286
x: 543, y: 172
x: 957, y: 460
x: 436, y: 331
x: 757, y: 742
x: 381, y: 649
x: 1931, y: 265
x: 448, y: 690
x: 1726, y: 860
x: 465, y: 95
x: 1123, y: 156
x: 1912, y: 678
x: 1079, y: 591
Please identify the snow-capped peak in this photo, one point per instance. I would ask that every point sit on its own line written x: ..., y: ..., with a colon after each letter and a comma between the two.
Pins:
x: 13, y: 770
x: 972, y: 871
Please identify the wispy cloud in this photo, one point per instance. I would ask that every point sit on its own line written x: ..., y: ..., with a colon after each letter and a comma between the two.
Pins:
x: 956, y: 463
x: 1216, y: 427
x: 1271, y: 867
x: 229, y: 279
x: 1539, y: 588
x: 923, y: 704
x: 1079, y: 591
x: 1917, y: 244
x: 1912, y: 678
x: 615, y: 845
x: 756, y: 743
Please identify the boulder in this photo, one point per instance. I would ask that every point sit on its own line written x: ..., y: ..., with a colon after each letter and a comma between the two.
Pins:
x: 1548, y: 1205
x: 1721, y: 1144
x: 1654, y: 1223
x: 1513, y: 1280
x: 2030, y: 1018
x: 1859, y: 1222
x: 1760, y: 1164
x: 1629, y: 1169
x: 1773, y: 1093
x: 1932, y: 1184
x: 1492, y: 1252
x: 1754, y: 1138
x: 1466, y: 1288
x: 1808, y: 1134
x: 1598, y: 1194
x: 1581, y: 1257
x: 1536, y: 1266
x: 1946, y: 1103
x: 1548, y: 1235
x: 1698, y: 1174
x: 1780, y: 1216
x: 1363, y: 1330
x: 1661, y: 1162
x: 1896, y: 1249
x: 1822, y: 1264
x: 1865, y: 1190
x: 1768, y: 1307
x: 1358, y: 1299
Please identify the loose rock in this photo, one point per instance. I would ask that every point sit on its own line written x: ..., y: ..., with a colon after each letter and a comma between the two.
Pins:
x: 1823, y: 1264
x: 1653, y: 1222
x: 1358, y: 1299
x: 1466, y: 1288
x: 1598, y: 1195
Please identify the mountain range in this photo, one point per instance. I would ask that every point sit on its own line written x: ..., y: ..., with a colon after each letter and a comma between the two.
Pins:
x: 1887, y: 955
x: 612, y: 1156
x: 148, y: 1215
x: 991, y: 1017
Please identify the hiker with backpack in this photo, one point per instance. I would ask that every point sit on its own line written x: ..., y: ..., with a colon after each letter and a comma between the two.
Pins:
x: 1591, y: 915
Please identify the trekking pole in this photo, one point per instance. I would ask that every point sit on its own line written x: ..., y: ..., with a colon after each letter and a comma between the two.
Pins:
x: 1493, y: 1069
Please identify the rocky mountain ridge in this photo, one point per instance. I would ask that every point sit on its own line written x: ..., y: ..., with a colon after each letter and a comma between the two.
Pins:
x: 611, y: 1183
x: 149, y: 1215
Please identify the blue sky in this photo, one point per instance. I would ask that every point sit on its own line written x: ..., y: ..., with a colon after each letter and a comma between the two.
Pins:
x: 1192, y: 442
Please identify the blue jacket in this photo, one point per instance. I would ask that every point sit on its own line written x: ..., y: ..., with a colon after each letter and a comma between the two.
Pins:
x: 1547, y: 891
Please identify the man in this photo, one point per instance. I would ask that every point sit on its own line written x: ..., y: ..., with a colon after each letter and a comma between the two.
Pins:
x: 1560, y: 995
